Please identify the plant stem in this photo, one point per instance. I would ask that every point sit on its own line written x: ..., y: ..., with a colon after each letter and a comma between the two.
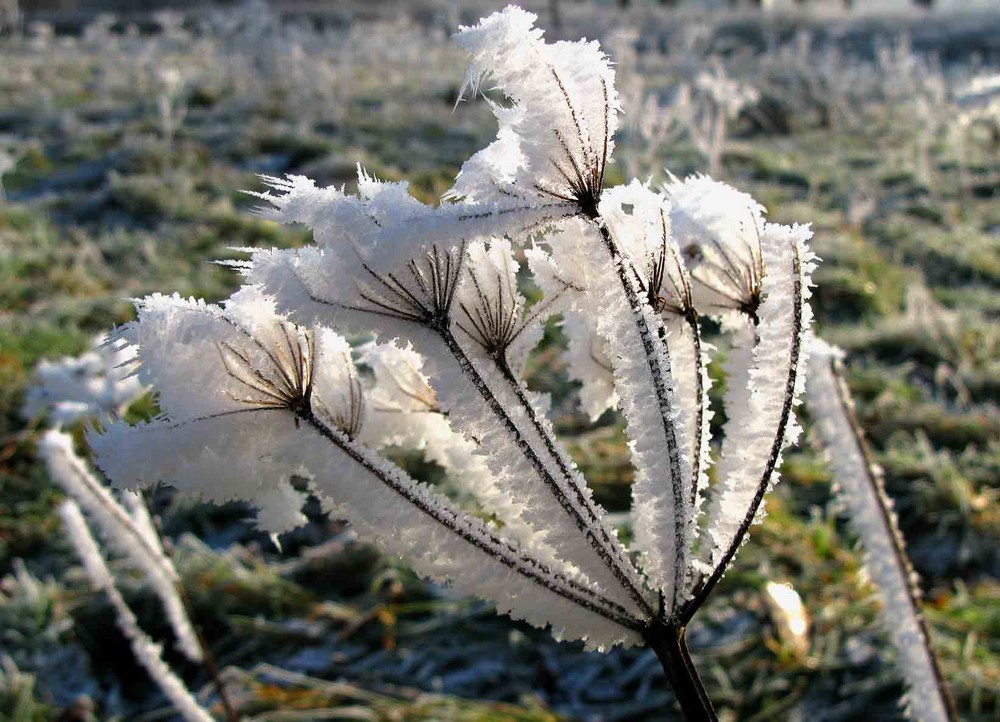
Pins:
x: 670, y: 646
x: 208, y: 658
x: 845, y: 438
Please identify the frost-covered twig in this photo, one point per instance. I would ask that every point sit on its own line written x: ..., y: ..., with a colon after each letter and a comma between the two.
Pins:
x: 128, y: 531
x: 862, y: 491
x: 146, y: 651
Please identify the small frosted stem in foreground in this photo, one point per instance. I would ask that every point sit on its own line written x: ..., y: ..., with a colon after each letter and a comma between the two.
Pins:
x: 146, y: 651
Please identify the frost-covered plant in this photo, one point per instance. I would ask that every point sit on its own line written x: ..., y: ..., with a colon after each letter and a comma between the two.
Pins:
x: 264, y: 389
x: 145, y: 649
x: 170, y: 102
x: 126, y: 527
x: 862, y: 491
x: 88, y: 386
x: 8, y: 162
x: 699, y: 110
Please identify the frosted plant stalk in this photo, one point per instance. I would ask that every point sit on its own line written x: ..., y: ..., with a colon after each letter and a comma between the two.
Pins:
x: 128, y: 530
x: 146, y: 651
x: 862, y: 491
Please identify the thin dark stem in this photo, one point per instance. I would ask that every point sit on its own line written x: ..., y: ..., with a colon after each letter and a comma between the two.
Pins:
x: 699, y: 414
x: 208, y: 659
x: 695, y: 603
x: 486, y: 541
x: 891, y: 530
x: 669, y: 644
x: 659, y: 377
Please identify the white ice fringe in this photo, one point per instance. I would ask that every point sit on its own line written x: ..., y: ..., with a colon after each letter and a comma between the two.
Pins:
x: 239, y: 358
x: 662, y: 530
x: 97, y: 382
x: 405, y: 413
x: 389, y: 226
x: 382, y: 516
x: 861, y: 490
x: 130, y: 534
x: 640, y: 221
x: 146, y: 651
x: 564, y: 109
x: 775, y: 381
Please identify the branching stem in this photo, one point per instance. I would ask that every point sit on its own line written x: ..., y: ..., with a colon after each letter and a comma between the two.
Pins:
x: 609, y: 549
x: 497, y: 407
x: 669, y: 643
x: 484, y: 540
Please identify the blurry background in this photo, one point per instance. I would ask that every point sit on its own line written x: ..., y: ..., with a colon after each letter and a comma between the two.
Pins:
x: 125, y: 139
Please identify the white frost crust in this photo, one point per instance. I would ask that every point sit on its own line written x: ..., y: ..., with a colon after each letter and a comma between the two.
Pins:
x: 588, y: 362
x: 563, y: 277
x: 545, y: 513
x: 854, y: 483
x: 184, y: 347
x: 389, y: 226
x: 686, y: 371
x: 757, y: 411
x: 405, y: 413
x: 563, y: 108
x: 128, y: 531
x: 490, y: 308
x: 216, y: 443
x: 145, y: 649
x: 379, y: 515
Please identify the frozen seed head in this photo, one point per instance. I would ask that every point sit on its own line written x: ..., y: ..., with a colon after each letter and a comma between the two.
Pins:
x: 556, y: 131
x: 491, y: 306
x: 283, y: 379
x: 422, y: 292
x: 639, y: 219
x: 718, y: 230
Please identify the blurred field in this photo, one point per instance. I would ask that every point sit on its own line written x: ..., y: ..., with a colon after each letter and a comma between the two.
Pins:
x: 129, y: 153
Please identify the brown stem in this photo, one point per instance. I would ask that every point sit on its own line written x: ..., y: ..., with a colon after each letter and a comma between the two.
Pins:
x: 670, y: 646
